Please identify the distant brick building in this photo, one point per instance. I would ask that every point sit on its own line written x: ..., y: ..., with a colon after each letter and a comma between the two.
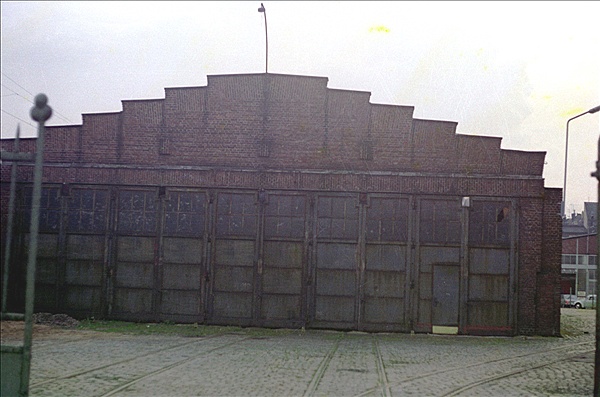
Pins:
x: 273, y: 200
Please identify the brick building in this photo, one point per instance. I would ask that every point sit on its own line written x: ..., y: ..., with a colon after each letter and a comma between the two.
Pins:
x: 273, y: 200
x: 579, y: 265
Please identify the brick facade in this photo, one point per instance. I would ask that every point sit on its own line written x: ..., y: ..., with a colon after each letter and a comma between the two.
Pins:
x: 294, y: 134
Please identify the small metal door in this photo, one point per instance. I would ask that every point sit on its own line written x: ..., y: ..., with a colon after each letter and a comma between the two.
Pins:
x: 445, y: 295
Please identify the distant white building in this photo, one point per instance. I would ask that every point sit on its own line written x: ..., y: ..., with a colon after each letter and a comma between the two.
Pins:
x: 579, y: 264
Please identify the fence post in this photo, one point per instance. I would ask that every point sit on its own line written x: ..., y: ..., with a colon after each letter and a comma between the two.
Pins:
x: 597, y: 361
x: 40, y: 113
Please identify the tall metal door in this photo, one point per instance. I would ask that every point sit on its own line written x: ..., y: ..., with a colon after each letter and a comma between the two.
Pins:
x: 282, y: 262
x: 134, y: 271
x: 85, y: 251
x: 182, y: 257
x: 234, y: 259
x: 47, y: 284
x: 436, y: 266
x: 491, y: 267
x: 385, y: 270
x: 336, y: 275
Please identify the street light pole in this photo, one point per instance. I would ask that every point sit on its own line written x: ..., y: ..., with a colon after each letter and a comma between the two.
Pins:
x: 597, y: 355
x: 563, y: 210
x: 264, y: 11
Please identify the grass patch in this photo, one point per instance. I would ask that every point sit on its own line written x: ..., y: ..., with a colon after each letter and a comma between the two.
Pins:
x: 166, y: 328
x: 170, y: 328
x: 571, y: 326
x: 577, y: 322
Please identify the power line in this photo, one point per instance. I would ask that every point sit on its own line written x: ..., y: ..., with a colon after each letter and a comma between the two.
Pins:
x: 16, y: 93
x: 29, y: 100
x: 29, y: 123
x: 17, y: 84
x: 18, y: 118
x: 61, y: 116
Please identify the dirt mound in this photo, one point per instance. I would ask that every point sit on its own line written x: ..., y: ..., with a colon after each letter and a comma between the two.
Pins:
x: 45, y: 326
x: 58, y: 320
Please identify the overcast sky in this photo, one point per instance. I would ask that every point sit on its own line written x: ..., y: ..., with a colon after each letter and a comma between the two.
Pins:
x: 517, y: 70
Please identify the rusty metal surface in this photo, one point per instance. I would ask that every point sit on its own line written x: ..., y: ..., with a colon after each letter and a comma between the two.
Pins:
x: 445, y: 295
x: 491, y: 273
x: 376, y: 262
x: 234, y: 259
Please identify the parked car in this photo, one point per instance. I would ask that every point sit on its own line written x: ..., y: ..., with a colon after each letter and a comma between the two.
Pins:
x: 567, y: 300
x: 589, y: 302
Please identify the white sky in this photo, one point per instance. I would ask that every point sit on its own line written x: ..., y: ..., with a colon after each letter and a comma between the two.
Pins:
x: 514, y: 69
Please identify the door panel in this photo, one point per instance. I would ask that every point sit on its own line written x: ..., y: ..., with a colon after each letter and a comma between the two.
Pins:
x: 282, y: 281
x: 336, y: 263
x: 490, y: 272
x: 386, y: 256
x: 85, y: 251
x: 445, y: 295
x: 437, y: 263
x: 284, y: 248
x: 336, y: 283
x: 233, y: 277
x: 183, y: 256
x: 234, y: 258
x: 135, y: 271
x: 384, y: 286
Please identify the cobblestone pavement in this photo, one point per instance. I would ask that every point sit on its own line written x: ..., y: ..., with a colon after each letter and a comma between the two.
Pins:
x: 319, y: 363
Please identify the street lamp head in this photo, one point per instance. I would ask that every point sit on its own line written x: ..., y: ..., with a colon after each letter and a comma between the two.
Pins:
x: 262, y: 8
x: 591, y: 111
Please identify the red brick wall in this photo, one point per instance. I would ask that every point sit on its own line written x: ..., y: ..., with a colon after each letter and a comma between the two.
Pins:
x: 548, y: 281
x: 25, y: 145
x: 522, y: 163
x: 479, y: 155
x: 306, y: 180
x: 434, y: 146
x: 100, y: 138
x: 530, y: 261
x: 66, y: 144
x: 288, y: 124
x: 539, y: 252
x: 141, y: 126
x: 391, y: 132
x: 304, y: 124
x: 587, y: 245
x: 185, y: 122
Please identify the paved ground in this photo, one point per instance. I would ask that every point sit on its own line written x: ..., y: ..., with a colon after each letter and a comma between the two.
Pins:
x: 318, y: 364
